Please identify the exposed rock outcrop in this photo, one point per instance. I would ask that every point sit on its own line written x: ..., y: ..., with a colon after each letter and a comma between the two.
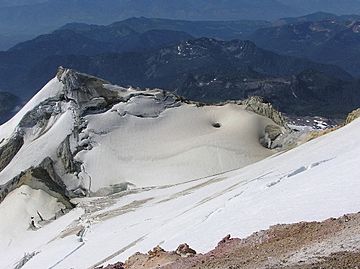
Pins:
x: 260, y: 106
x: 185, y: 251
x: 9, y: 150
x: 353, y: 116
x: 273, y: 131
x: 42, y: 177
x: 278, y: 135
x: 155, y: 257
x: 152, y: 259
x: 40, y: 115
x: 65, y: 154
x: 88, y: 92
x: 118, y: 265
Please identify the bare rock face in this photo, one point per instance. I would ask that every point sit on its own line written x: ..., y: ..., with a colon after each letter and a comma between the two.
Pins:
x: 66, y: 156
x: 88, y: 92
x: 42, y: 177
x: 353, y: 116
x: 276, y: 135
x: 185, y: 251
x: 153, y: 259
x: 273, y: 131
x: 156, y: 251
x: 118, y: 265
x: 260, y: 106
x: 9, y: 150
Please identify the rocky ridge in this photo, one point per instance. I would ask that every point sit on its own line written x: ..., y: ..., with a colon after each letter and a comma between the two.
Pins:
x: 353, y: 116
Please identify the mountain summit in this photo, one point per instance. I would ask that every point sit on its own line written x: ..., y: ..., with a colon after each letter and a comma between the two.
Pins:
x: 78, y: 123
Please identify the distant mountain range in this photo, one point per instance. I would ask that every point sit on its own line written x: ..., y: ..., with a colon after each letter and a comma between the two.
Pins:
x: 226, y: 30
x: 332, y: 6
x: 169, y: 54
x: 48, y: 15
x: 20, y: 62
x: 320, y: 37
x: 202, y: 69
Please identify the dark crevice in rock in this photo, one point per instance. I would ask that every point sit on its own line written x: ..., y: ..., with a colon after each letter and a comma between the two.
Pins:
x: 67, y: 158
x: 9, y: 150
x: 42, y: 177
x: 41, y: 114
x: 46, y: 175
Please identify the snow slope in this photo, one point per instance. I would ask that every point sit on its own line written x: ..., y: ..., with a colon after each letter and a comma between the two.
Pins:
x: 315, y: 181
x: 19, y: 207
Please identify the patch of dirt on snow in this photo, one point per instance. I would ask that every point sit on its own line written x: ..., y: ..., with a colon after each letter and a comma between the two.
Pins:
x: 333, y: 243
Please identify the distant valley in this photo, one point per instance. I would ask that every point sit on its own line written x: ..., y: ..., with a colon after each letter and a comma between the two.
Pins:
x: 320, y: 37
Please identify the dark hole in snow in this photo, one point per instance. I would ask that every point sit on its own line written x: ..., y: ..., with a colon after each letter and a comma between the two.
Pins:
x: 216, y: 125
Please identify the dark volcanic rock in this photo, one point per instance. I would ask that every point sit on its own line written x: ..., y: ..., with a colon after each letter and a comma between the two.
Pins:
x: 9, y: 150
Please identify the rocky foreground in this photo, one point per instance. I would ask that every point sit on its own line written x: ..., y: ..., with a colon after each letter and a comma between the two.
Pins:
x: 334, y: 243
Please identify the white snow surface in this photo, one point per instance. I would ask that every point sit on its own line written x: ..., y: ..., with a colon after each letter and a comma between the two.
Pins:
x: 16, y: 211
x: 315, y: 181
x: 179, y: 145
